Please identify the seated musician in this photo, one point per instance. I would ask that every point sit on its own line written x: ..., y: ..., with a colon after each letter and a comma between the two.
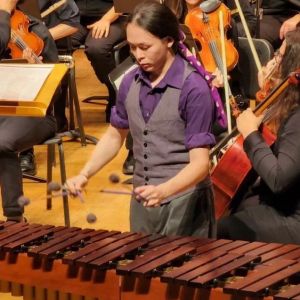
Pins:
x: 62, y: 22
x: 275, y: 216
x: 17, y: 134
x: 169, y: 110
x: 274, y: 14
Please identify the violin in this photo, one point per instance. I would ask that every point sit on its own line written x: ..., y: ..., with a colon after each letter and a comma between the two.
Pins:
x: 22, y: 38
x: 203, y: 22
x: 270, y: 79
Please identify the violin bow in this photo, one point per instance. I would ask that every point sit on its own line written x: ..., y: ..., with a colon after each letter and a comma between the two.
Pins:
x: 248, y: 35
x: 52, y: 8
x: 228, y: 95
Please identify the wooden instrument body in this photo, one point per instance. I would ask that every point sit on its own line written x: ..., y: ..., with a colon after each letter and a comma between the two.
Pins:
x: 207, y: 33
x: 158, y: 267
x: 231, y: 173
x: 19, y: 23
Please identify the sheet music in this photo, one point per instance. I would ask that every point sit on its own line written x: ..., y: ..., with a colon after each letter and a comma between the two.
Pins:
x: 22, y: 82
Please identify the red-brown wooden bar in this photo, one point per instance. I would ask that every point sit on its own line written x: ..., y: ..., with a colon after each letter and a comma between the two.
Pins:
x: 111, y: 265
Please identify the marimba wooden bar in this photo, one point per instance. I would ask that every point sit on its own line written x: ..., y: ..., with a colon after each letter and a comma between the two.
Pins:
x: 44, y: 262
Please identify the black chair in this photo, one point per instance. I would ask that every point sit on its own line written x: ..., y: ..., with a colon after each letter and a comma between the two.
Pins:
x: 247, y: 64
x: 120, y: 52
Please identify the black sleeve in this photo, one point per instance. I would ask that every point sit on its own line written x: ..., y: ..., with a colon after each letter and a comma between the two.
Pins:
x: 4, y: 31
x: 282, y: 170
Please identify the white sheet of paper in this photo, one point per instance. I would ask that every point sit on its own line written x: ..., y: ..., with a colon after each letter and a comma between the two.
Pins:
x: 22, y: 82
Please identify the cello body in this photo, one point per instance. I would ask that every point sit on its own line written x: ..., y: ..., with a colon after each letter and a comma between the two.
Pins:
x: 233, y: 173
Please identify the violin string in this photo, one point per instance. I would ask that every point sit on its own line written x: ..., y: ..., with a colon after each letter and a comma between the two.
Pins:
x: 215, y: 51
x: 22, y: 45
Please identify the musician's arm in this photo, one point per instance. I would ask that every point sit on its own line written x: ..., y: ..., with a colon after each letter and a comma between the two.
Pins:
x: 6, y: 7
x: 281, y: 171
x: 106, y: 149
x: 4, y: 30
x: 194, y: 172
x: 66, y: 20
x: 101, y: 27
x: 62, y: 30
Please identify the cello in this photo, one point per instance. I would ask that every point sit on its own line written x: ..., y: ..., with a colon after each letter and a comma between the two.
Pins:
x: 22, y: 38
x: 234, y: 172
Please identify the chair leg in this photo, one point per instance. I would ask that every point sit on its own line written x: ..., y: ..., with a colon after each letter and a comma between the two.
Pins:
x: 63, y: 180
x: 50, y: 157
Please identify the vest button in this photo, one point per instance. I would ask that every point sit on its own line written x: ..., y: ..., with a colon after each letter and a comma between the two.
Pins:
x: 145, y: 156
x: 145, y: 132
x: 147, y: 178
x: 145, y: 168
x: 146, y: 183
x: 145, y: 145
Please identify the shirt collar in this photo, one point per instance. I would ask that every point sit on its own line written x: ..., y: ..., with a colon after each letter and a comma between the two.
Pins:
x: 172, y: 78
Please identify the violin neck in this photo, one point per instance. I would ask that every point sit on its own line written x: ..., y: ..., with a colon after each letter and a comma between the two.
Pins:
x: 22, y: 45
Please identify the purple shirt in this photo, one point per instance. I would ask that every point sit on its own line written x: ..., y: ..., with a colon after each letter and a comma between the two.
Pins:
x: 196, y: 106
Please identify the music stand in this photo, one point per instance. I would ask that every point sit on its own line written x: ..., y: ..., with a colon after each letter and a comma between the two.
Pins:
x: 126, y: 7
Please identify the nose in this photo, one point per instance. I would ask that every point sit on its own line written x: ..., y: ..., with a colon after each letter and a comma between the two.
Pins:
x: 139, y: 54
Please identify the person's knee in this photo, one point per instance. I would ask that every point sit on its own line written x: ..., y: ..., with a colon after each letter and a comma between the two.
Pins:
x: 97, y: 50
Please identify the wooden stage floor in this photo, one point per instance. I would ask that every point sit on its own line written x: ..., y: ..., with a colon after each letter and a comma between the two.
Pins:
x: 112, y: 211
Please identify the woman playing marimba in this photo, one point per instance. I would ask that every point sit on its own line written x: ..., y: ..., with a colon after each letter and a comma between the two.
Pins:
x: 169, y: 110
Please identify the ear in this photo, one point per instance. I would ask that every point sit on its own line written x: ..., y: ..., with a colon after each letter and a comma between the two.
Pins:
x: 170, y: 42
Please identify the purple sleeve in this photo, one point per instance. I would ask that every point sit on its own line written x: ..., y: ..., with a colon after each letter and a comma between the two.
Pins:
x: 197, y: 109
x: 119, y: 118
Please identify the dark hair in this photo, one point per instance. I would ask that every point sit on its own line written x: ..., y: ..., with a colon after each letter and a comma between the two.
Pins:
x: 290, y: 98
x: 157, y: 19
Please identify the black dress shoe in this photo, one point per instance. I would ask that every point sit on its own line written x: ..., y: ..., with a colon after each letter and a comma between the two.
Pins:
x: 27, y: 163
x: 128, y: 166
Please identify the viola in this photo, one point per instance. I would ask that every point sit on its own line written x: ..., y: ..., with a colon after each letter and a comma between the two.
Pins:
x: 22, y: 38
x: 203, y: 22
x: 233, y: 172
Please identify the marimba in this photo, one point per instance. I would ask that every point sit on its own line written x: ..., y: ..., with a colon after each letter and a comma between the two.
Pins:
x: 44, y: 262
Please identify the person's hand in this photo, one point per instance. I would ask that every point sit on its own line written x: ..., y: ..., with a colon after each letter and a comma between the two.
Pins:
x: 76, y: 184
x: 150, y: 195
x: 29, y: 55
x: 247, y: 122
x: 218, y: 80
x: 289, y: 25
x: 100, y: 28
x: 8, y: 5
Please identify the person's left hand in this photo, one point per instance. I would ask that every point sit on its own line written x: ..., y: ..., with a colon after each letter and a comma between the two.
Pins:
x: 247, y: 122
x: 151, y: 195
x: 100, y: 28
x: 29, y: 55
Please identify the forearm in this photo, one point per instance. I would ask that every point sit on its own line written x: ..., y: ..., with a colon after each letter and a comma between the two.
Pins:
x: 106, y: 149
x: 193, y: 173
x: 61, y: 31
x: 111, y: 15
x: 4, y: 30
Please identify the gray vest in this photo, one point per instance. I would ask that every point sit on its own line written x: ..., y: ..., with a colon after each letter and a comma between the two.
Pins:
x: 158, y: 146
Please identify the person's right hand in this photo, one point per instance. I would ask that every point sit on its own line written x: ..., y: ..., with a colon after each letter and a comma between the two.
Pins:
x: 8, y: 5
x: 76, y: 184
x: 100, y: 28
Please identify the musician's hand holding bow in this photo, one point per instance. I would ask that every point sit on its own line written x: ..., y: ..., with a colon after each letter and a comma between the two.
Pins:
x: 8, y: 5
x: 247, y: 122
x: 151, y: 195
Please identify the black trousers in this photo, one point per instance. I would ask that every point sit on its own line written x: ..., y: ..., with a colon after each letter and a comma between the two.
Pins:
x: 18, y: 134
x: 100, y: 51
x: 260, y: 223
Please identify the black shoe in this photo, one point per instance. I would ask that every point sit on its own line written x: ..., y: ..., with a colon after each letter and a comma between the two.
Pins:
x: 128, y: 166
x: 27, y: 163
